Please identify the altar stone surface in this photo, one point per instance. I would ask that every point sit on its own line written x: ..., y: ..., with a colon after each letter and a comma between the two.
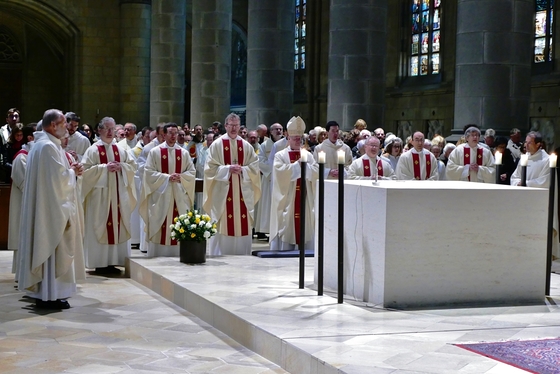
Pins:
x: 423, y: 244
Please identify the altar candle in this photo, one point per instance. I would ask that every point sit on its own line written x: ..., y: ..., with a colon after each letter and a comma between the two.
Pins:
x: 498, y: 157
x: 524, y: 160
x: 302, y: 155
x: 552, y: 160
x: 341, y: 156
x: 322, y: 157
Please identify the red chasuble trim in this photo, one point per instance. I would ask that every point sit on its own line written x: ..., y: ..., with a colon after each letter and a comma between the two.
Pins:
x: 379, y: 168
x: 242, y: 206
x: 416, y: 165
x: 230, y: 214
x: 367, y: 168
x: 294, y: 157
x: 467, y: 157
x: 110, y: 225
x: 164, y: 154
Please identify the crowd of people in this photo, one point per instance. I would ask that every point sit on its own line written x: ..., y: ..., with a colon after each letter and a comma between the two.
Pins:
x: 83, y: 197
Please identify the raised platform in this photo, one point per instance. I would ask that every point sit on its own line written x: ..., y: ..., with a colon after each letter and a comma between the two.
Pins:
x: 257, y: 302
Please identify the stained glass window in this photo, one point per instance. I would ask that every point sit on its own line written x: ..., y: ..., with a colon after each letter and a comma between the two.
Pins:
x: 425, y: 47
x: 543, y: 30
x: 299, y: 40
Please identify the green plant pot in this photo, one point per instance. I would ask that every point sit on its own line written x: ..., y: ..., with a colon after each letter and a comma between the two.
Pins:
x: 192, y: 252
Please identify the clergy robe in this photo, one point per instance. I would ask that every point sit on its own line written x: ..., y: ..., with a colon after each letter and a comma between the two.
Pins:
x: 262, y: 220
x: 538, y: 171
x: 196, y: 151
x: 231, y: 198
x: 140, y: 162
x: 414, y: 165
x: 162, y: 200
x: 78, y: 143
x: 331, y: 155
x: 53, y: 235
x: 461, y: 157
x: 365, y: 168
x: 19, y: 165
x: 109, y: 199
x: 285, y: 207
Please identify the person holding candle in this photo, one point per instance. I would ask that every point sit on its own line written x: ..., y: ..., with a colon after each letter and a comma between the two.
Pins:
x: 370, y: 165
x: 537, y: 162
x: 286, y: 192
x: 471, y: 161
x: 331, y: 146
x: 507, y: 160
x: 418, y: 163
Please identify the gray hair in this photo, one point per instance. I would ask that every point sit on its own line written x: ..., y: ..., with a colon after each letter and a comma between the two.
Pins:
x: 448, y: 146
x: 50, y: 116
x: 489, y: 133
x: 230, y: 117
x: 470, y: 130
x: 104, y: 122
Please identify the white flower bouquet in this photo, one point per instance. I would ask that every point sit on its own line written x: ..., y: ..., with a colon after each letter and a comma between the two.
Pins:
x: 193, y: 226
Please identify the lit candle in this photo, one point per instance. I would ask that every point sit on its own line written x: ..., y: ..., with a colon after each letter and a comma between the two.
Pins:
x: 341, y: 156
x: 302, y: 155
x: 552, y: 160
x: 498, y: 157
x: 322, y: 157
x: 524, y: 160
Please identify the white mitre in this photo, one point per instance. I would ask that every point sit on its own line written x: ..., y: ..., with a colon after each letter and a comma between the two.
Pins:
x: 296, y: 126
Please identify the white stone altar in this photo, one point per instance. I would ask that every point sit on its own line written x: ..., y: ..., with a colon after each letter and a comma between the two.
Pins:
x: 424, y: 244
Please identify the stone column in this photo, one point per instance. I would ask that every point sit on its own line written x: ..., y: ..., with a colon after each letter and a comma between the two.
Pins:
x: 211, y: 61
x: 136, y: 29
x: 357, y: 49
x: 167, y: 84
x: 493, y: 68
x: 270, y: 62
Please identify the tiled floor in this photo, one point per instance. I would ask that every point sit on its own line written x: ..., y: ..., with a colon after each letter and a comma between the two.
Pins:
x: 258, y: 303
x: 115, y: 325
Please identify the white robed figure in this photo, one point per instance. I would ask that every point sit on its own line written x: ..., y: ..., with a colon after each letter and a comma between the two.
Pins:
x: 109, y: 196
x: 471, y: 162
x: 371, y: 165
x: 50, y: 213
x: 232, y: 187
x: 285, y: 219
x: 331, y: 146
x: 538, y: 168
x: 167, y: 191
x: 418, y: 163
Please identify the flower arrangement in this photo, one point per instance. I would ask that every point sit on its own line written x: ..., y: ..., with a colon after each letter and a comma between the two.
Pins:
x: 193, y: 226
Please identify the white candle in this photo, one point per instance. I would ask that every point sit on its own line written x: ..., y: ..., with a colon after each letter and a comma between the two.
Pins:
x: 498, y: 157
x: 552, y: 160
x: 322, y: 157
x: 302, y: 155
x: 341, y: 156
x: 524, y: 159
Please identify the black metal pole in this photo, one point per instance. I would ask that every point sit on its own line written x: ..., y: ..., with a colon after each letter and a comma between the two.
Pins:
x: 340, y: 233
x: 303, y: 197
x: 498, y: 172
x: 523, y: 176
x: 549, y: 234
x: 321, y: 229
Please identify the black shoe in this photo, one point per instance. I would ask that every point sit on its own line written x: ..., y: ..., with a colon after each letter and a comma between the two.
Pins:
x: 113, y: 270
x: 52, y: 304
x: 101, y: 270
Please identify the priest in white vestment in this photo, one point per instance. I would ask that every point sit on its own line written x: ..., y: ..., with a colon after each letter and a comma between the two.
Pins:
x: 538, y: 167
x: 167, y: 192
x: 285, y: 224
x: 53, y: 236
x: 471, y: 161
x: 232, y: 187
x: 262, y: 220
x: 109, y: 198
x: 19, y: 166
x: 331, y: 146
x: 418, y: 163
x: 129, y: 141
x: 371, y: 165
x: 77, y: 143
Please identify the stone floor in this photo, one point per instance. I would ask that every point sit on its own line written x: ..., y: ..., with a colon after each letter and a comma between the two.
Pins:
x: 138, y: 325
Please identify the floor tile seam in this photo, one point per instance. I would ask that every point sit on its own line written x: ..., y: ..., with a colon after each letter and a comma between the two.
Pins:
x: 403, y: 333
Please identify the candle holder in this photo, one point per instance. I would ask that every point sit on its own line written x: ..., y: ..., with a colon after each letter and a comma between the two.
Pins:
x: 340, y: 232
x: 321, y: 228
x: 302, y: 200
x: 498, y: 172
x: 523, y: 176
x: 550, y: 231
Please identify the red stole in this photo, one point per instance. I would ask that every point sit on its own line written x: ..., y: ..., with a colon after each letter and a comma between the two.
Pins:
x: 110, y: 225
x: 416, y: 162
x: 367, y: 168
x: 467, y: 157
x: 294, y: 157
x: 243, y: 217
x: 164, y: 154
x: 21, y: 152
x: 192, y: 151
